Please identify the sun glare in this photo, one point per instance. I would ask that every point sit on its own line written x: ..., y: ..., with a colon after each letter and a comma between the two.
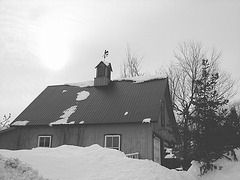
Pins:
x: 54, y: 43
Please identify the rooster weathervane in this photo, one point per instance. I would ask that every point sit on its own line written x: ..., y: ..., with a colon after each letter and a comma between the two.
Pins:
x: 105, y: 54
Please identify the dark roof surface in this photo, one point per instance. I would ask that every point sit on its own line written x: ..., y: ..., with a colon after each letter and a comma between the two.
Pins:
x: 106, y: 104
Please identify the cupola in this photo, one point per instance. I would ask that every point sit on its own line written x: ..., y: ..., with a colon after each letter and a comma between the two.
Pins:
x: 103, y: 74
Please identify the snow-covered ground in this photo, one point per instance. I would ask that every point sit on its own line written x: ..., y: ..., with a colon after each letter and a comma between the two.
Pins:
x: 96, y: 163
x: 13, y: 168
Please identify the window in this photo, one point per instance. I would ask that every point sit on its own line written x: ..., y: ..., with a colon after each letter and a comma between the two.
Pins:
x: 112, y: 141
x: 162, y: 113
x: 44, y: 141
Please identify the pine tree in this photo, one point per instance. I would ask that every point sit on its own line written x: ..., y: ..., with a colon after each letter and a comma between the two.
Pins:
x: 232, y: 129
x: 207, y: 135
x: 233, y: 118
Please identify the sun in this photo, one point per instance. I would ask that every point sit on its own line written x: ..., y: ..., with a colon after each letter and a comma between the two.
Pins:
x: 54, y: 43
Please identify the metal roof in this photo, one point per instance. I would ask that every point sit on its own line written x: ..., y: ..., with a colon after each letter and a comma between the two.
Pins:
x: 118, y: 102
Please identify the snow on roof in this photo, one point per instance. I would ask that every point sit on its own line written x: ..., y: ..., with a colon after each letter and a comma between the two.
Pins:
x: 146, y: 120
x: 136, y: 79
x: 82, y: 84
x: 66, y: 114
x: 20, y: 123
x: 140, y: 79
x: 82, y: 95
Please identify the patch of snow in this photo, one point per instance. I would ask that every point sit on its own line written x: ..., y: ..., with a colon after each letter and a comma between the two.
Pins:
x: 82, y: 84
x: 66, y: 114
x: 20, y: 123
x: 146, y: 120
x: 82, y: 95
x: 72, y: 122
x: 81, y: 122
x: 64, y: 91
x: 126, y: 113
x: 170, y: 155
x: 141, y: 79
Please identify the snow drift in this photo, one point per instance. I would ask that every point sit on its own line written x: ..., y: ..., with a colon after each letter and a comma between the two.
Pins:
x: 97, y: 163
x: 91, y: 163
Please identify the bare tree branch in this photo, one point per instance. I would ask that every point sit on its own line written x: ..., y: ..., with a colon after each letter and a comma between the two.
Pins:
x: 4, y: 124
x: 131, y: 64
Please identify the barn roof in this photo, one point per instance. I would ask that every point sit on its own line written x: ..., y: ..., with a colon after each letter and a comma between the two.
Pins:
x: 121, y: 101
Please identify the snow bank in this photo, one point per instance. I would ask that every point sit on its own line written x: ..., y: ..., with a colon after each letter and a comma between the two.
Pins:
x: 141, y: 79
x: 20, y: 123
x: 230, y: 170
x: 14, y: 169
x: 82, y: 95
x: 92, y: 163
x: 66, y: 114
x: 97, y: 163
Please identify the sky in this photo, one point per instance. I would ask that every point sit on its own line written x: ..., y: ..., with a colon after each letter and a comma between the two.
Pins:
x: 51, y: 42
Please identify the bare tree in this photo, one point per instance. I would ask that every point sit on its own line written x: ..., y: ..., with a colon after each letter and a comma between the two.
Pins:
x: 4, y: 124
x: 131, y: 64
x: 182, y: 80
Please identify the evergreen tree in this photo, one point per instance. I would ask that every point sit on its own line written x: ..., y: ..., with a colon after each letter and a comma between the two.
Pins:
x: 208, y: 141
x: 232, y: 129
x: 233, y: 119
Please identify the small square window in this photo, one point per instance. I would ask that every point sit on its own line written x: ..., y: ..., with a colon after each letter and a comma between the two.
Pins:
x: 112, y: 141
x: 44, y: 141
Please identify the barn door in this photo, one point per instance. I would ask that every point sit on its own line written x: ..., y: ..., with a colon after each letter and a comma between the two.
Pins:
x: 157, y: 150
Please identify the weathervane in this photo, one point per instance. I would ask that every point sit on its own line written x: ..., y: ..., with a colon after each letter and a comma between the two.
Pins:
x: 105, y: 54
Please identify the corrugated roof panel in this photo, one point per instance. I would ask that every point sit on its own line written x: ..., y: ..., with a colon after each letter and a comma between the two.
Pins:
x: 106, y: 104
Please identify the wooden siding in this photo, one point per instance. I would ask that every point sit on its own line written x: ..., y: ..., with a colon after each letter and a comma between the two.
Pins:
x: 166, y: 131
x: 135, y: 137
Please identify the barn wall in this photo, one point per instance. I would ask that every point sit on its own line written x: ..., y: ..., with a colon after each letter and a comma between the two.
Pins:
x: 165, y: 132
x: 134, y: 137
x: 9, y: 139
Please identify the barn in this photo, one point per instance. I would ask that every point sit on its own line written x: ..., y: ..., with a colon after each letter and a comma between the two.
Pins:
x: 132, y: 115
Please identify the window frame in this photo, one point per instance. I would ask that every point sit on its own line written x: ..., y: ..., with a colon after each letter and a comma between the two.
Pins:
x: 112, y: 136
x: 45, y: 136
